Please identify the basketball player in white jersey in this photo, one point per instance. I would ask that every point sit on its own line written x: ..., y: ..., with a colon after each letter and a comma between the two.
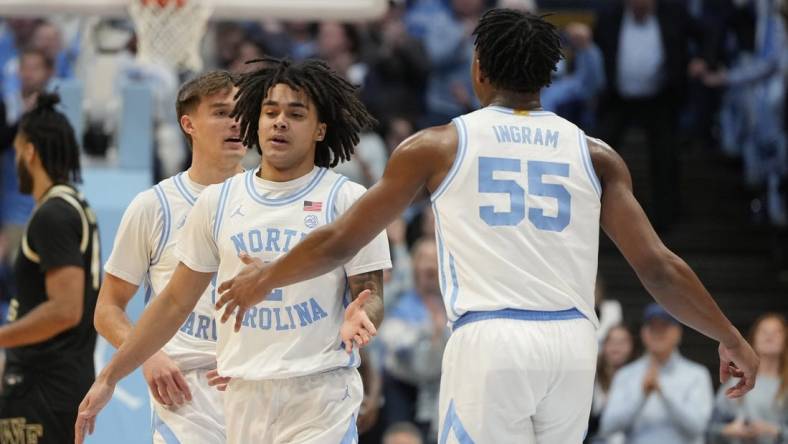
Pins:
x: 519, y: 195
x: 185, y: 408
x: 291, y: 360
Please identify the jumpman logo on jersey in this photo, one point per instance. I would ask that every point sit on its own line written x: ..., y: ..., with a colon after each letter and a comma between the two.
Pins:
x: 347, y: 393
x: 237, y: 211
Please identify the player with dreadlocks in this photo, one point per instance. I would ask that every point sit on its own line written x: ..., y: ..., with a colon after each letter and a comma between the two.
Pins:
x: 291, y: 362
x: 518, y: 195
x: 49, y: 338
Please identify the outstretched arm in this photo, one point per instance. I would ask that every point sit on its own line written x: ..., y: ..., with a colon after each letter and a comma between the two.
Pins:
x: 666, y: 276
x: 422, y: 159
x: 158, y: 323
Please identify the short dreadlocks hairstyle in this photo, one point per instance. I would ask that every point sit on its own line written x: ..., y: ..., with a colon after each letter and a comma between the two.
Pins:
x: 517, y: 51
x: 53, y: 139
x: 335, y: 98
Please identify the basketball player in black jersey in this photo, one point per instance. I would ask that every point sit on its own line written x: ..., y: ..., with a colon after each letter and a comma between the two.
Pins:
x: 49, y: 338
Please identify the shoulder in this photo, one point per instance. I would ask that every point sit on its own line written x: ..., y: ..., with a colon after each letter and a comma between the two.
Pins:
x: 607, y: 162
x: 53, y: 211
x: 437, y: 139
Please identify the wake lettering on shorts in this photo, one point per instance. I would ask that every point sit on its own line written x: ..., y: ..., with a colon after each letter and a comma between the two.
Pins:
x: 17, y: 431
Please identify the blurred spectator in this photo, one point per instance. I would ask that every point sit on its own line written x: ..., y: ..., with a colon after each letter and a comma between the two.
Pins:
x: 402, y: 433
x: 761, y: 416
x: 608, y: 311
x: 339, y: 44
x: 34, y: 71
x: 248, y: 50
x: 573, y: 94
x: 229, y: 37
x: 368, y: 161
x: 644, y: 44
x: 398, y: 69
x: 522, y: 5
x: 302, y: 39
x: 414, y: 335
x: 399, y: 278
x: 751, y: 118
x: 369, y: 412
x: 617, y: 350
x: 446, y: 33
x: 662, y: 397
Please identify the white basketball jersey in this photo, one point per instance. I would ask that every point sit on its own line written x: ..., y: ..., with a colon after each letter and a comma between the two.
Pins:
x: 517, y: 216
x: 295, y: 330
x: 144, y: 254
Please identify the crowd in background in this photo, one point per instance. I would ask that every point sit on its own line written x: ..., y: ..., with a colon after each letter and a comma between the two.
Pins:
x: 688, y: 74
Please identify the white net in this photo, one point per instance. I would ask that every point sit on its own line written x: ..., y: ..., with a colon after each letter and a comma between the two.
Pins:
x: 170, y: 34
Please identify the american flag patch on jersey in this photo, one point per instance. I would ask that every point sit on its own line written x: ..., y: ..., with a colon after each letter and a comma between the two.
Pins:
x: 313, y: 206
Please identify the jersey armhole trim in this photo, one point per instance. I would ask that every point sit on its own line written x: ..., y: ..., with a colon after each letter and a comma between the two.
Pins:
x: 588, y: 165
x: 165, y: 233
x: 462, y: 146
x: 331, y: 211
x: 217, y: 222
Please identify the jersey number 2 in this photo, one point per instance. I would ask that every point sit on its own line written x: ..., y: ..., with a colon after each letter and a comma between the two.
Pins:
x: 536, y: 187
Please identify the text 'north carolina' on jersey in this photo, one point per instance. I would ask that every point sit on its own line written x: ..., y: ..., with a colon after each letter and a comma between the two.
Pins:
x: 517, y: 216
x: 295, y: 330
x: 144, y: 254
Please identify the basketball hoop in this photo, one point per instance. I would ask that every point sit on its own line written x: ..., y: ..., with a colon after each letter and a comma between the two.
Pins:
x: 169, y: 32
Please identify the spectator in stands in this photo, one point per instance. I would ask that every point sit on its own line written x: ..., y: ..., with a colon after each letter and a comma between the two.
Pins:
x: 751, y: 118
x: 339, y: 44
x: 247, y: 50
x: 573, y: 93
x: 644, y: 44
x: 608, y: 311
x: 369, y: 412
x: 399, y: 279
x: 398, y: 69
x: 617, y: 350
x: 761, y: 416
x: 661, y: 397
x: 35, y: 72
x: 446, y: 33
x: 414, y: 335
x: 402, y: 433
x: 48, y: 38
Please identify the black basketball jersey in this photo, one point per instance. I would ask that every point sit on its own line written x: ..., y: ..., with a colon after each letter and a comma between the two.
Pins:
x: 61, y: 232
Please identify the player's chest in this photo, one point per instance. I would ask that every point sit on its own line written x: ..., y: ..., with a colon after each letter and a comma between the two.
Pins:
x: 267, y: 231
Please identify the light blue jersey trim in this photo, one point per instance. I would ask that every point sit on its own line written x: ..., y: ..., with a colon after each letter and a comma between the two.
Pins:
x: 331, y: 212
x: 259, y: 198
x: 462, y: 149
x: 165, y: 233
x: 510, y: 111
x: 183, y: 189
x: 351, y: 436
x: 217, y: 223
x: 164, y: 430
x: 522, y: 315
x: 588, y: 164
x: 148, y: 293
x: 455, y: 287
x: 452, y: 423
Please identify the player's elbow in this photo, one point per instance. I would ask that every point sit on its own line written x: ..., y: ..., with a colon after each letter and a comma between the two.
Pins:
x: 660, y: 268
x: 67, y: 317
x: 100, y: 319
